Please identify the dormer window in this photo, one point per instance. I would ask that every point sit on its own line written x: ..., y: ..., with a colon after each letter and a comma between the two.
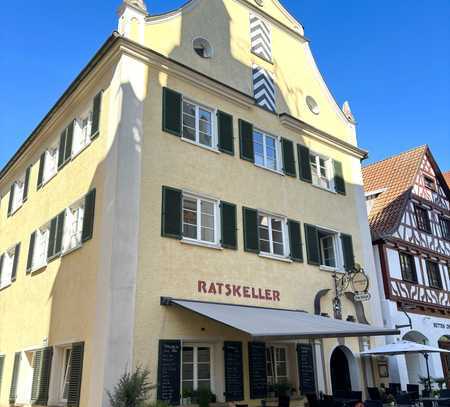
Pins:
x: 203, y: 48
x: 429, y: 183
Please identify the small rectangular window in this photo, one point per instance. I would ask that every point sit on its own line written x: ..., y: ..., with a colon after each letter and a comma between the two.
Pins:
x: 198, y: 124
x: 277, y: 365
x: 429, y: 183
x: 7, y: 268
x: 434, y: 275
x: 17, y: 201
x: 408, y: 268
x: 330, y: 253
x: 267, y: 150
x: 82, y: 133
x: 321, y: 171
x: 73, y: 226
x: 445, y: 227
x: 41, y: 247
x: 50, y: 164
x: 272, y: 235
x: 422, y: 218
x: 200, y: 219
x: 65, y: 374
x: 196, y: 370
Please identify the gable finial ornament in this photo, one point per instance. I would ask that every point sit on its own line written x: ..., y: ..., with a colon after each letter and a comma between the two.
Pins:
x: 140, y: 4
x: 348, y: 112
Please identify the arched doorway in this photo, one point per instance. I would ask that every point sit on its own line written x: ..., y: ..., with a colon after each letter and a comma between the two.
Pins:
x: 444, y: 343
x: 415, y: 363
x: 340, y: 371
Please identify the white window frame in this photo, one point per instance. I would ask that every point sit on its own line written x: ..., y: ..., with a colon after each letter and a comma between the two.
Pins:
x: 285, y: 232
x: 25, y: 378
x: 49, y: 173
x: 69, y: 222
x: 337, y: 244
x: 278, y: 158
x: 17, y: 191
x: 217, y: 231
x: 80, y: 140
x: 329, y: 169
x: 40, y: 242
x: 195, y: 346
x: 198, y: 106
x: 275, y: 362
x: 7, y: 268
x: 64, y: 370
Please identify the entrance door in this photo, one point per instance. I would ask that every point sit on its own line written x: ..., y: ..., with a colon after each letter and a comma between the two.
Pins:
x: 444, y: 343
x: 340, y: 372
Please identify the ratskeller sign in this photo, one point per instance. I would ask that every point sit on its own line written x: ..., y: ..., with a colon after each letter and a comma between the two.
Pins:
x: 239, y: 291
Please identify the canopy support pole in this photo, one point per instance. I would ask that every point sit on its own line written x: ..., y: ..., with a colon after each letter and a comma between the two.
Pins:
x: 428, y: 387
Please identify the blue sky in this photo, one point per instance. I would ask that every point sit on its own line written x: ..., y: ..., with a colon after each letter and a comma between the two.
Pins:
x: 390, y: 59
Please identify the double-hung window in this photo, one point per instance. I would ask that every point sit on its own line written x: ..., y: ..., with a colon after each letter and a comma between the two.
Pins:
x: 200, y: 219
x: 198, y: 124
x: 266, y: 150
x: 82, y: 133
x: 196, y: 371
x: 321, y: 171
x: 422, y: 218
x: 73, y: 226
x: 445, y: 227
x: 6, y: 268
x: 50, y: 164
x: 272, y: 232
x: 408, y: 268
x: 277, y: 365
x: 330, y: 249
x: 434, y: 275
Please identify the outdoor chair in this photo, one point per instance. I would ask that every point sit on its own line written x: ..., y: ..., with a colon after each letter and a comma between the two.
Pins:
x: 374, y: 393
x: 357, y: 395
x: 403, y: 399
x: 395, y: 388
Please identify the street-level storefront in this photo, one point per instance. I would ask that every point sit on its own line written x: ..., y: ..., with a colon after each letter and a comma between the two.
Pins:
x: 254, y: 350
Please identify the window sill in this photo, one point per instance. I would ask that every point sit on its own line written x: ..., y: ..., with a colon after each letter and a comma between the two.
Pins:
x: 4, y: 287
x: 214, y: 150
x: 14, y: 211
x: 332, y: 191
x: 331, y: 269
x: 38, y: 269
x: 201, y: 244
x: 274, y: 257
x: 45, y: 182
x: 75, y: 155
x: 71, y: 250
x: 263, y: 58
x: 269, y: 169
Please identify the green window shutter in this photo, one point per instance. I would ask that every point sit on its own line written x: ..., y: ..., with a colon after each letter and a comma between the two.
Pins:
x: 251, y: 234
x: 304, y: 165
x: 52, y: 238
x: 225, y: 132
x: 171, y: 212
x: 44, y: 382
x: 31, y: 252
x: 97, y: 107
x: 246, y: 140
x: 26, y: 184
x: 88, y: 220
x: 41, y: 170
x: 62, y: 149
x: 37, y: 365
x: 312, y: 244
x: 257, y: 364
x: 15, y: 262
x: 14, y: 379
x: 75, y: 374
x: 339, y: 182
x: 287, y: 147
x: 228, y: 218
x: 69, y: 142
x: 234, y: 371
x: 347, y: 249
x: 59, y: 233
x: 11, y: 196
x: 295, y: 240
x: 172, y: 105
x: 2, y: 366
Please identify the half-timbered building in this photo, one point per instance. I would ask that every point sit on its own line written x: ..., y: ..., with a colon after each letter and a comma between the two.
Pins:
x: 408, y: 205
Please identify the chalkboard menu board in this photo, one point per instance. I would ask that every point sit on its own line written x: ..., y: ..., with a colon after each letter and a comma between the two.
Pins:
x: 234, y: 381
x: 169, y: 372
x: 257, y: 367
x: 306, y: 369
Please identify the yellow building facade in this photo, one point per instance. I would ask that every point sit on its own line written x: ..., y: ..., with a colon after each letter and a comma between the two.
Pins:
x: 198, y: 157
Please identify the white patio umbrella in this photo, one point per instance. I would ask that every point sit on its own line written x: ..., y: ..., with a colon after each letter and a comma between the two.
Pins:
x: 405, y: 347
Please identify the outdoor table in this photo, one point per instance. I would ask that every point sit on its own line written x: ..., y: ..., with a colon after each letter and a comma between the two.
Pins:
x: 346, y: 401
x: 434, y: 400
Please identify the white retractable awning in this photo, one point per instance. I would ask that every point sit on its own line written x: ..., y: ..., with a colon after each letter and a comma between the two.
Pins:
x: 272, y: 323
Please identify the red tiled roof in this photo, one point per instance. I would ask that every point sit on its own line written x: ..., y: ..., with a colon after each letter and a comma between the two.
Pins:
x: 447, y: 178
x: 393, y: 178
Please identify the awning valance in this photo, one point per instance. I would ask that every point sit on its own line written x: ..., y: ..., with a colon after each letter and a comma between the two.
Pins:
x: 272, y: 323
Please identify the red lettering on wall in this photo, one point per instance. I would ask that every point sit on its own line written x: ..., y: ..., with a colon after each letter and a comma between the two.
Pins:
x: 233, y: 290
x: 202, y: 286
x: 247, y: 292
x: 276, y: 296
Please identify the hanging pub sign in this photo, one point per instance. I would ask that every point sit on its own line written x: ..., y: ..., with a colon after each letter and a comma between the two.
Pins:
x: 238, y: 291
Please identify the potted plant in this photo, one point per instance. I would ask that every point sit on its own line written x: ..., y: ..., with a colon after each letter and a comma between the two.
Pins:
x: 390, y: 399
x: 203, y: 397
x: 440, y: 381
x: 282, y: 389
x: 186, y: 399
